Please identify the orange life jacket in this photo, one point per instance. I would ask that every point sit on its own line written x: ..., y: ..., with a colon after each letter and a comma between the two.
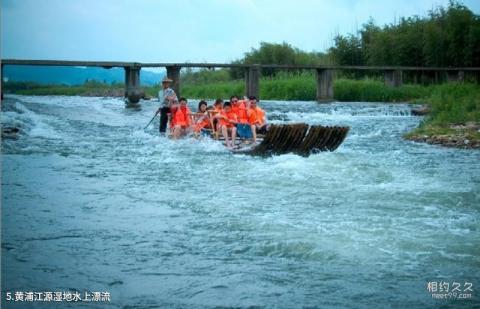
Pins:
x: 181, y: 117
x: 204, y: 123
x: 241, y: 111
x: 259, y: 115
x: 252, y: 116
x: 231, y: 116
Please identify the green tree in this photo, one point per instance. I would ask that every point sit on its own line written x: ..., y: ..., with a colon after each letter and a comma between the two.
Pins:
x: 347, y: 50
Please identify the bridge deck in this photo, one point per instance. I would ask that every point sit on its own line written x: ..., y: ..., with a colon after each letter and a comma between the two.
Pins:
x: 110, y: 64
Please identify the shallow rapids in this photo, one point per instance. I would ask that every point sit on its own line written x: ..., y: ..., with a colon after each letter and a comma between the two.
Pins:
x: 92, y: 202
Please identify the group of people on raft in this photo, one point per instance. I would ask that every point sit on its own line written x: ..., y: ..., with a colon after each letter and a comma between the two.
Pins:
x: 237, y: 117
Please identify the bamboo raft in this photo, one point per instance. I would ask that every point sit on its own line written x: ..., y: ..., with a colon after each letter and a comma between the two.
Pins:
x: 300, y: 139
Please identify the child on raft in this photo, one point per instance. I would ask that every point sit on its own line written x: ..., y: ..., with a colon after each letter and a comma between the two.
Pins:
x: 217, y: 109
x: 227, y: 122
x: 180, y: 121
x: 202, y: 118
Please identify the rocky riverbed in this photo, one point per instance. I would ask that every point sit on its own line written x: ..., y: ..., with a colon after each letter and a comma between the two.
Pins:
x: 466, y: 136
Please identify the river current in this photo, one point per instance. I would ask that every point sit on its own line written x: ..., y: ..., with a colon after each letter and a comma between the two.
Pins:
x: 93, y: 202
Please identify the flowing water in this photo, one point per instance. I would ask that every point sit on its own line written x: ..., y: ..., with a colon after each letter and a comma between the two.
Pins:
x: 92, y: 202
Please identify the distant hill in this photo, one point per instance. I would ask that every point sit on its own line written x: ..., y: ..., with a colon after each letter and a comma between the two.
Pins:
x: 73, y: 75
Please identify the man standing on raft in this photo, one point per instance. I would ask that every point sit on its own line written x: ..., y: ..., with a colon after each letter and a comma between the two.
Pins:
x: 167, y: 97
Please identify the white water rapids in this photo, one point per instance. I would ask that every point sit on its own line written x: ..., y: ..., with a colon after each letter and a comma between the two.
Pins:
x: 91, y: 201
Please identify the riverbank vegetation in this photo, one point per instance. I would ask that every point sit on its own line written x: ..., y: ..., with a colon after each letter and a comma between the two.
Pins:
x: 303, y: 88
x: 454, y: 118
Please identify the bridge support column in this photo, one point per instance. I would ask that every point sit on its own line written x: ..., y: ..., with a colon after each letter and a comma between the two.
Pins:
x: 324, y: 85
x: 173, y: 72
x: 393, y: 78
x: 132, y: 84
x: 252, y: 81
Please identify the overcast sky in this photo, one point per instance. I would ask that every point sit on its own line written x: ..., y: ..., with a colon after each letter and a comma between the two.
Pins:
x: 185, y: 30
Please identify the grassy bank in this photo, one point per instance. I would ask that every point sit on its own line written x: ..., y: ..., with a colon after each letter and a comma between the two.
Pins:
x: 303, y: 88
x: 454, y: 119
x: 295, y: 87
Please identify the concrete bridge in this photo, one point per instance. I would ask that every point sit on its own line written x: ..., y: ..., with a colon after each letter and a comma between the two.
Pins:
x: 324, y: 73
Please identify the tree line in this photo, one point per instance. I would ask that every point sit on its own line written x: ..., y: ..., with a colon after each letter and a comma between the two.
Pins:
x: 446, y: 37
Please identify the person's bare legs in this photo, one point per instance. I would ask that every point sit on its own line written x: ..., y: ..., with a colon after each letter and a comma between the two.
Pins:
x: 177, y: 131
x: 254, y: 132
x: 225, y: 135
x: 234, y: 135
x: 218, y: 129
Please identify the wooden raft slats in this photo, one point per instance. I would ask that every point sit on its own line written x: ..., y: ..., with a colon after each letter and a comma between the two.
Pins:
x: 340, y: 140
x: 299, y: 138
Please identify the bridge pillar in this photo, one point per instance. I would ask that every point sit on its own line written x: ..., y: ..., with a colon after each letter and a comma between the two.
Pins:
x: 252, y: 81
x: 173, y: 72
x: 132, y: 84
x: 324, y: 85
x: 393, y: 78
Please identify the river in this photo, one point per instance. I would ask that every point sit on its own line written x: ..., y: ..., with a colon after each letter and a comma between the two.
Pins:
x: 92, y: 202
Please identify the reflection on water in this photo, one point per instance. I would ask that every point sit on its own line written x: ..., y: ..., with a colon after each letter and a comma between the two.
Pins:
x: 91, y: 201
